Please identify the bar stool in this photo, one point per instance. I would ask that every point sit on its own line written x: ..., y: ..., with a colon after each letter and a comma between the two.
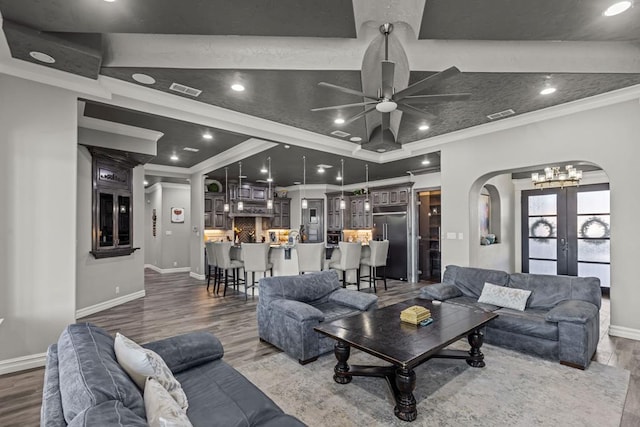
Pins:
x: 256, y: 259
x: 310, y: 257
x: 377, y: 258
x: 210, y: 257
x: 225, y: 263
x: 349, y: 260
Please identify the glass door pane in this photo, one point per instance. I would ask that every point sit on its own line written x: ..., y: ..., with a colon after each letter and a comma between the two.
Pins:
x: 105, y: 226
x: 542, y: 224
x: 124, y: 221
x: 593, y: 232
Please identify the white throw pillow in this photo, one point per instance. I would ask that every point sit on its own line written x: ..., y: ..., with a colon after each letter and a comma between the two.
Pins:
x: 504, y: 297
x: 141, y: 363
x: 162, y: 410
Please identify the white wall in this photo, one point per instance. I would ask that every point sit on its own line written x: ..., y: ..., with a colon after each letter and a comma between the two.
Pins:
x: 153, y: 244
x: 606, y: 136
x: 499, y: 256
x: 38, y: 136
x: 97, y: 279
x: 175, y: 246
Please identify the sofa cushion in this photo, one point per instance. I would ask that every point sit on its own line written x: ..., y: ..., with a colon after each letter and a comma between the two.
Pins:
x: 221, y: 396
x: 109, y: 413
x: 574, y: 311
x: 161, y: 408
x: 90, y: 373
x: 333, y: 311
x: 305, y: 288
x: 185, y: 351
x: 472, y: 302
x: 440, y: 291
x: 503, y: 296
x: 141, y: 363
x: 471, y: 280
x: 530, y: 322
x: 357, y: 300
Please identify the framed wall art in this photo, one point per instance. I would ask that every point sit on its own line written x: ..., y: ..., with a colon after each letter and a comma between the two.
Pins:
x: 177, y: 215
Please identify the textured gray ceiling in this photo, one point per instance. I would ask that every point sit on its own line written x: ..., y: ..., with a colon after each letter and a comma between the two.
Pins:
x: 79, y: 34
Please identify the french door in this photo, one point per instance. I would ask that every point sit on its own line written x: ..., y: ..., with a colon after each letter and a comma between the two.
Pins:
x: 567, y: 231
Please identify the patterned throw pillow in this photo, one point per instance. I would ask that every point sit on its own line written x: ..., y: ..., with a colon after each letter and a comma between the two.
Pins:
x: 162, y: 410
x: 504, y: 297
x: 141, y: 363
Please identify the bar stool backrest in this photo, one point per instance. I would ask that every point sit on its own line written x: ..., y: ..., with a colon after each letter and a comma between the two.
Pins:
x: 255, y: 256
x: 310, y: 256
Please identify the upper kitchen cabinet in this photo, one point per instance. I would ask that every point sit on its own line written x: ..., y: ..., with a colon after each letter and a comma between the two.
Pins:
x: 214, y: 215
x: 360, y: 218
x: 281, y: 213
x: 337, y: 218
x: 390, y: 196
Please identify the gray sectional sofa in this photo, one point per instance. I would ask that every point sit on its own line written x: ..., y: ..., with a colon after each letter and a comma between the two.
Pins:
x: 291, y: 306
x: 85, y: 386
x: 561, y: 320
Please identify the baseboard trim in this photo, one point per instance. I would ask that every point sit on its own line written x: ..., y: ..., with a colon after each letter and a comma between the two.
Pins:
x: 624, y: 332
x: 108, y: 304
x: 22, y: 363
x: 197, y: 276
x: 168, y: 270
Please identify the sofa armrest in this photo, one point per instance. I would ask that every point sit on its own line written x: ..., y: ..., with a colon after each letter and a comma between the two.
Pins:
x: 297, y: 310
x: 440, y: 291
x: 575, y: 311
x: 185, y: 351
x: 354, y: 299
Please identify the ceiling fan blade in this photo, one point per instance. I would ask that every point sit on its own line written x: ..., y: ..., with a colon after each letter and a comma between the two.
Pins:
x: 345, y: 90
x: 418, y: 99
x: 357, y: 116
x: 426, y: 83
x: 337, y: 107
x: 415, y: 111
x: 388, y: 69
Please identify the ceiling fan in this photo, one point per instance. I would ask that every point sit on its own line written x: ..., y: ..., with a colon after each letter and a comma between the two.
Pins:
x: 387, y: 100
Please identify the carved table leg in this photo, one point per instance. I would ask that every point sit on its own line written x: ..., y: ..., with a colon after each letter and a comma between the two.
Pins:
x: 476, y: 358
x: 341, y: 374
x: 405, y: 408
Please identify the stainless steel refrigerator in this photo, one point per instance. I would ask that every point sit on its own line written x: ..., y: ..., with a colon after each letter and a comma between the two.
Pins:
x: 390, y: 223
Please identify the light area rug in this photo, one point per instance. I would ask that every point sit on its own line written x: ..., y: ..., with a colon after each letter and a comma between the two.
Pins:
x: 513, y: 389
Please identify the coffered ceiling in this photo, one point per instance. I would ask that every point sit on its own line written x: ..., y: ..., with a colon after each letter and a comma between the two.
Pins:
x: 507, y: 52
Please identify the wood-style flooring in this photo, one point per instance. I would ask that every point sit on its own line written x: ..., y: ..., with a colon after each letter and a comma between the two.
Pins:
x: 176, y: 303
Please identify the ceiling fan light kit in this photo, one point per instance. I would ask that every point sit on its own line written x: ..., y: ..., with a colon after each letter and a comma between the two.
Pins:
x: 387, y: 100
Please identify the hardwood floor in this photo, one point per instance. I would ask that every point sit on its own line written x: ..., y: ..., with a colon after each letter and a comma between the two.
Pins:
x: 176, y: 303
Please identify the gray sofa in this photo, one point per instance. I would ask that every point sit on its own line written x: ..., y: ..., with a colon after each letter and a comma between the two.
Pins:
x: 291, y: 306
x: 85, y: 386
x: 561, y: 320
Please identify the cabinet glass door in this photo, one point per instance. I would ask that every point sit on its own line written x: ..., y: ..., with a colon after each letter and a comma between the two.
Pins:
x: 124, y: 220
x: 105, y: 226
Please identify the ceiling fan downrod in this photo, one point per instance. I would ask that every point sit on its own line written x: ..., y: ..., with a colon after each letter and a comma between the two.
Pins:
x: 386, y: 29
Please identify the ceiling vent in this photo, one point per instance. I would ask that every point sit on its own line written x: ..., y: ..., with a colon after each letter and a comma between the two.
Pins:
x: 340, y: 133
x: 177, y: 87
x: 501, y: 114
x: 193, y: 150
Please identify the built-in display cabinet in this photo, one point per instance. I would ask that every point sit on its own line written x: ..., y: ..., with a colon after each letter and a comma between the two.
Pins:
x: 281, y: 213
x: 360, y: 219
x: 215, y: 218
x: 337, y: 218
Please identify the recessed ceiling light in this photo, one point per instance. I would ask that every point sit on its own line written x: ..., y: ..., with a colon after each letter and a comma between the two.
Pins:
x: 338, y: 178
x: 263, y: 170
x: 320, y: 169
x: 426, y: 162
x: 42, y: 57
x: 207, y: 136
x: 338, y: 121
x: 355, y: 139
x: 617, y: 8
x: 174, y: 157
x: 237, y: 87
x: 287, y: 146
x: 548, y: 90
x: 424, y: 127
x: 193, y: 150
x: 381, y: 150
x: 143, y: 78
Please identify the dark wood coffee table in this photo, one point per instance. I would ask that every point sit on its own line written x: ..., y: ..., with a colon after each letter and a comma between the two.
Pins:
x: 382, y: 334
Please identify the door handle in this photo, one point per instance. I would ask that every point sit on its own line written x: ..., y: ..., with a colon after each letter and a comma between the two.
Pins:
x: 564, y: 245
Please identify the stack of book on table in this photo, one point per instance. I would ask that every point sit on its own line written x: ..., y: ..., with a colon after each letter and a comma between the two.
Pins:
x: 415, y: 314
